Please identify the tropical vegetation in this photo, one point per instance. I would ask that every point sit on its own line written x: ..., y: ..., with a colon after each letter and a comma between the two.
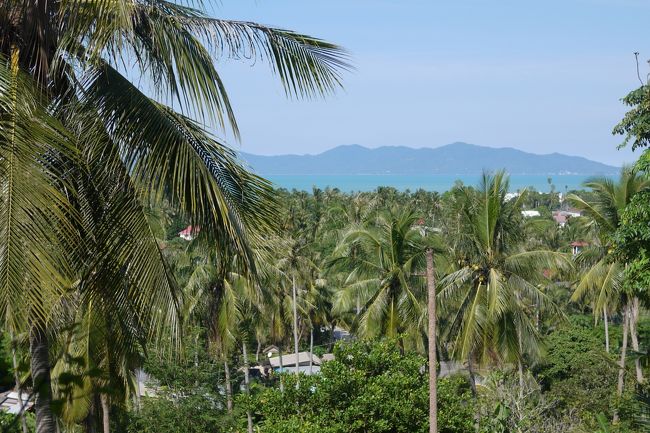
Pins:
x: 146, y: 275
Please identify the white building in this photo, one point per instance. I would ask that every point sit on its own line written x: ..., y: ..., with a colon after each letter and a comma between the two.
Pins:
x: 290, y: 363
x: 530, y: 213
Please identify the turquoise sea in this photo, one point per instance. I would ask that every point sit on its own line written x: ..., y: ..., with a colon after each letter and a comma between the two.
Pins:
x: 432, y: 182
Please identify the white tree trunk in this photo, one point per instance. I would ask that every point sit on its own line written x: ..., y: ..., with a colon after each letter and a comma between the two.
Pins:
x: 621, y: 364
x: 634, y: 319
x: 106, y: 414
x: 606, y: 321
x: 295, y: 328
x: 281, y: 369
x: 311, y: 350
x: 247, y: 381
x: 226, y: 370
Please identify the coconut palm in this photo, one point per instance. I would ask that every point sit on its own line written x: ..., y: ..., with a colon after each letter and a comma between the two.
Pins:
x: 384, y: 266
x: 494, y: 290
x: 83, y: 147
x: 600, y: 282
x: 298, y: 272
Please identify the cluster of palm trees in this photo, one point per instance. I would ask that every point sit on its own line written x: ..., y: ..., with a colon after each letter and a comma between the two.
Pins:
x: 360, y: 262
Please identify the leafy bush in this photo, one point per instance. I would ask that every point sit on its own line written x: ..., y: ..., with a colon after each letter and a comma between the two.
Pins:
x: 11, y: 423
x: 187, y: 414
x: 370, y: 387
x: 577, y: 374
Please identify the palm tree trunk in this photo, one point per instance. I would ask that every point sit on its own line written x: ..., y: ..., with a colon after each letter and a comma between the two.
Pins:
x: 634, y: 319
x: 226, y: 370
x: 311, y: 350
x: 247, y: 381
x: 472, y: 384
x: 606, y: 321
x: 295, y: 328
x: 621, y: 371
x: 196, y: 358
x: 257, y: 352
x: 433, y: 379
x: 106, y: 414
x: 89, y: 422
x: 472, y: 376
x: 520, y: 365
x: 281, y: 369
x: 331, y: 343
x: 40, y: 366
x: 19, y: 387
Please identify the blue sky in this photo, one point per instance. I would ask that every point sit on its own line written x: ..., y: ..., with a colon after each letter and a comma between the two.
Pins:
x: 544, y: 76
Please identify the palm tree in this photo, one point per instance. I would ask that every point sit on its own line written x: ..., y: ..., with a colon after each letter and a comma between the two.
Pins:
x: 83, y: 148
x: 601, y: 280
x: 384, y: 266
x: 492, y: 292
x: 297, y: 269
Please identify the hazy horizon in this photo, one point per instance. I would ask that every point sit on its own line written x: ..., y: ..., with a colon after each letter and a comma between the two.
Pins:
x: 417, y: 148
x: 538, y: 77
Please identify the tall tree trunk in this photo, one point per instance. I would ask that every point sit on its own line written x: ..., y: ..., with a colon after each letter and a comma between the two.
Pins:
x: 621, y: 364
x: 226, y: 370
x: 433, y: 372
x: 281, y: 369
x: 19, y: 386
x: 472, y: 385
x: 331, y: 343
x: 89, y: 422
x: 311, y: 350
x: 606, y: 321
x: 106, y: 412
x: 520, y: 365
x: 196, y: 358
x: 40, y: 366
x: 472, y: 376
x: 634, y: 319
x: 295, y: 328
x: 139, y: 390
x: 257, y: 352
x: 247, y: 381
x: 520, y: 368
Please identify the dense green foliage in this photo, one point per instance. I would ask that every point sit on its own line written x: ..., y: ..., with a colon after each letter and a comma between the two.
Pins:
x: 99, y: 176
x: 369, y: 388
x: 576, y: 373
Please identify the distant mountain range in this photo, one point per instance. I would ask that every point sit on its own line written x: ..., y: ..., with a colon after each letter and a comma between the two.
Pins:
x: 452, y: 159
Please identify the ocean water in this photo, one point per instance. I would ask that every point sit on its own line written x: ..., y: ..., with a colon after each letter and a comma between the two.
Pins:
x: 432, y: 182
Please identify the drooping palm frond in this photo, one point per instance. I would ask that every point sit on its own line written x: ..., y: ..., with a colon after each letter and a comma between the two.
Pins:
x: 37, y: 220
x: 173, y: 158
x: 176, y: 47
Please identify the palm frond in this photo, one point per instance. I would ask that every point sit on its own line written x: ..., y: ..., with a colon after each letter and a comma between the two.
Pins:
x: 172, y: 157
x: 37, y: 220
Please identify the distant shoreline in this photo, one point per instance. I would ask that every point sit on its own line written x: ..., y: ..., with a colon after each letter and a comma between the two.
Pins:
x: 430, y: 182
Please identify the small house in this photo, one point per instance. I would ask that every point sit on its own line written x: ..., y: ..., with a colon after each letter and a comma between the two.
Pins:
x: 290, y: 363
x: 189, y: 233
x: 577, y: 246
